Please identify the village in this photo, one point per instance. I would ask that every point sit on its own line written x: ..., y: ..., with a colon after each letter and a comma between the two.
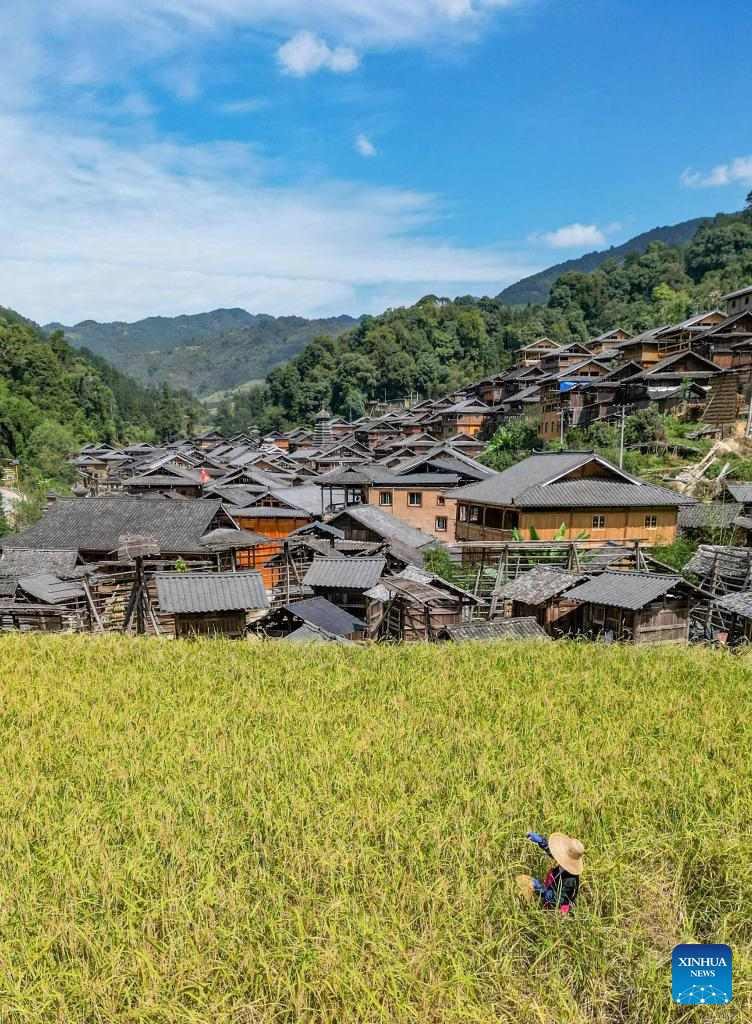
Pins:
x: 388, y: 528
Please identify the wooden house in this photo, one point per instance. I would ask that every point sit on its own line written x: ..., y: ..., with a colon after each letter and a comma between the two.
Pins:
x: 371, y: 523
x: 531, y: 355
x: 415, y: 605
x: 640, y: 607
x: 738, y: 301
x: 540, y: 594
x: 343, y: 580
x: 583, y: 491
x: 211, y: 603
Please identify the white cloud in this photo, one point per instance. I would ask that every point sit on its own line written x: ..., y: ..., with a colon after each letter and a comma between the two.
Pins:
x: 306, y: 53
x: 364, y: 146
x: 737, y: 171
x: 575, y: 236
x: 115, y: 231
x: 248, y: 106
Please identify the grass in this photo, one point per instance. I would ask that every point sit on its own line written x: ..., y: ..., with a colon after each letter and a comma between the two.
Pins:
x: 251, y: 833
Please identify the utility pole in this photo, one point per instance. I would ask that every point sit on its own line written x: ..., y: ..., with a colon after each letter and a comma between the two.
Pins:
x: 561, y: 426
x: 621, y: 442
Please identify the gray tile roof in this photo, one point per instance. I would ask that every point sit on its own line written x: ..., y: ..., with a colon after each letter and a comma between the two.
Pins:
x: 523, y: 628
x: 386, y: 526
x: 591, y: 493
x: 317, y: 611
x: 28, y: 561
x: 263, y: 512
x: 725, y: 562
x: 540, y: 584
x: 713, y: 515
x: 503, y: 488
x: 97, y: 524
x: 49, y: 589
x: 740, y: 491
x: 348, y: 573
x: 313, y: 634
x: 195, y: 592
x: 739, y: 603
x: 624, y: 589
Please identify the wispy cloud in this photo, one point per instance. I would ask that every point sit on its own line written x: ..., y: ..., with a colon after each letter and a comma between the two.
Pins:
x: 364, y: 146
x: 575, y: 236
x: 113, y: 231
x: 251, y: 105
x: 307, y: 53
x: 736, y: 171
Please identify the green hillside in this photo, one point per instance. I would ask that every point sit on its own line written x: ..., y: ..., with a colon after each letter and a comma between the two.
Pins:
x: 205, y: 352
x: 53, y: 399
x: 437, y: 344
x: 271, y: 833
x: 537, y: 287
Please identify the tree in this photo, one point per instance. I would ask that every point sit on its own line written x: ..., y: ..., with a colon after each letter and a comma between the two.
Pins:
x: 748, y: 200
x: 50, y: 446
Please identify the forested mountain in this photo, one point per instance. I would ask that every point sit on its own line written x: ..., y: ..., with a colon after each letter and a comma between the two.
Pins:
x: 439, y: 344
x: 537, y: 287
x: 53, y: 399
x: 206, y: 352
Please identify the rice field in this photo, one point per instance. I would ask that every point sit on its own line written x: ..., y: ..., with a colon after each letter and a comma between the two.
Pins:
x: 248, y: 833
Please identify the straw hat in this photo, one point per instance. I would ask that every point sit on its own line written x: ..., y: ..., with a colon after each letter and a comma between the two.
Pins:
x: 567, y: 852
x: 525, y: 882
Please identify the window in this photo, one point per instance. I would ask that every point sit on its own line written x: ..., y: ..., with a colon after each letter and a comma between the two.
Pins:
x: 441, y: 500
x: 414, y: 498
x: 651, y: 522
x: 599, y: 522
x: 441, y: 524
x: 385, y: 497
x: 462, y: 513
x: 474, y: 513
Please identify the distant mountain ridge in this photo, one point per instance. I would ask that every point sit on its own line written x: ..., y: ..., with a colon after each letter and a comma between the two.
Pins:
x: 204, y: 352
x: 536, y: 288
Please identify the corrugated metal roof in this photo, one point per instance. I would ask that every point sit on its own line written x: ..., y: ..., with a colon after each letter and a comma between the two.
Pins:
x: 195, y: 592
x: 523, y: 628
x: 97, y: 524
x: 503, y: 488
x: 312, y: 634
x: 317, y: 611
x: 263, y: 512
x: 349, y: 573
x: 625, y: 589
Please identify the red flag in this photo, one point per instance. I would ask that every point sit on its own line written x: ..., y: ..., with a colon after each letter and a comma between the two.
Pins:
x: 205, y: 478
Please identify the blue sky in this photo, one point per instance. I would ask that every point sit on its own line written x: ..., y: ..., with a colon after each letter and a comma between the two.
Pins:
x: 167, y: 156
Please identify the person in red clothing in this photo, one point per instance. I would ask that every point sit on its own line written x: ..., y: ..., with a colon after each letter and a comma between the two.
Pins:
x: 562, y: 883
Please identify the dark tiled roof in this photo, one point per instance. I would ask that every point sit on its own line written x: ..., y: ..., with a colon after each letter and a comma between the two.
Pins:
x: 195, y: 592
x: 715, y: 515
x: 505, y: 629
x: 601, y: 494
x: 313, y: 634
x: 741, y: 491
x: 725, y: 562
x: 318, y: 526
x: 263, y: 512
x: 540, y: 584
x: 225, y: 539
x: 629, y: 590
x: 49, y: 589
x: 739, y: 603
x: 28, y: 561
x: 503, y: 488
x: 317, y: 611
x: 97, y: 524
x: 387, y: 526
x: 349, y: 573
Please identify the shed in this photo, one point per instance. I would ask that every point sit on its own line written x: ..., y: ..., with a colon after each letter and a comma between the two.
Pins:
x: 207, y: 603
x: 344, y: 580
x: 541, y: 593
x: 317, y: 613
x: 638, y: 606
x: 739, y: 607
x: 710, y: 520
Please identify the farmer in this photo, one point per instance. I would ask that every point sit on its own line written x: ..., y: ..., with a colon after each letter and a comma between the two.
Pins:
x: 559, y: 890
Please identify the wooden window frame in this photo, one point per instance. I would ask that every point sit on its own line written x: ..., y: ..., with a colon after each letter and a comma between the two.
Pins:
x: 651, y: 521
x: 599, y: 522
x: 386, y: 494
x: 415, y: 494
x: 445, y: 521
